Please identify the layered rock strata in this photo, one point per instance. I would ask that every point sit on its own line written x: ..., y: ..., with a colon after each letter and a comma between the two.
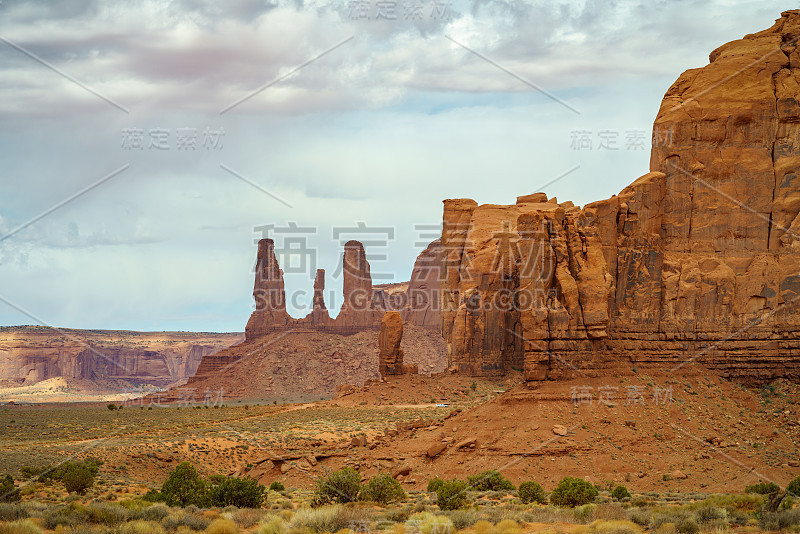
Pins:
x: 696, y: 261
x: 30, y: 354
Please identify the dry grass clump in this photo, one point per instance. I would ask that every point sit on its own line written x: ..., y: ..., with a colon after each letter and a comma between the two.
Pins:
x: 274, y: 525
x: 222, y: 526
x: 12, y: 512
x: 184, y: 519
x: 428, y: 523
x: 547, y: 514
x: 21, y: 526
x: 615, y: 526
x: 506, y: 526
x: 330, y: 518
x: 141, y: 527
x: 247, y: 517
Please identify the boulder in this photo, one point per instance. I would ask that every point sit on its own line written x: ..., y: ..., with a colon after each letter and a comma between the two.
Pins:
x: 467, y: 443
x: 401, y: 471
x: 435, y: 449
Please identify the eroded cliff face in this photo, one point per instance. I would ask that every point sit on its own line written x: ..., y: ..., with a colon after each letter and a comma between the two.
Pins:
x: 30, y: 354
x: 698, y: 260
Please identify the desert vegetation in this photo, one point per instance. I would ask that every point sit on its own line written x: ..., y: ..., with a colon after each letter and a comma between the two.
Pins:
x: 478, y: 512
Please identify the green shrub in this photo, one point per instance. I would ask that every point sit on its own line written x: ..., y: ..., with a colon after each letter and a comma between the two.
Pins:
x: 382, y: 489
x: 670, y: 515
x: 532, y: 492
x: 640, y: 516
x: 620, y: 492
x: 152, y: 495
x: 111, y: 406
x: 77, y: 478
x: 452, y: 495
x: 184, y: 486
x: 32, y: 472
x: 107, y: 513
x: 340, y: 486
x: 465, y: 518
x: 573, y: 491
x: 240, y: 492
x: 277, y: 486
x: 687, y: 526
x: 763, y: 488
x: 794, y: 487
x: 8, y: 491
x: 434, y: 484
x: 75, y: 471
x: 709, y: 514
x: 584, y: 513
x: 780, y: 520
x: 72, y: 514
x: 742, y: 503
x: 12, y: 512
x: 491, y: 480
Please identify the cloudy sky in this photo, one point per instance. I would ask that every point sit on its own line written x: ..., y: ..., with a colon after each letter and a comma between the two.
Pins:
x: 145, y: 146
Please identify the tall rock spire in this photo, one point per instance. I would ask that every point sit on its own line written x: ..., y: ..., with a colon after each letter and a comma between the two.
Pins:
x: 268, y: 292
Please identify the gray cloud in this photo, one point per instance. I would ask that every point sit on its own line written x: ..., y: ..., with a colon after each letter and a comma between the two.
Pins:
x: 380, y: 130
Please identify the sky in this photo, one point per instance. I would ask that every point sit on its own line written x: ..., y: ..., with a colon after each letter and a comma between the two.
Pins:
x: 146, y: 146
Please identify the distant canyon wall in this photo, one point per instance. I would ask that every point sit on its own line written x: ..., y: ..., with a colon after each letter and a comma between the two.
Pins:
x: 32, y: 354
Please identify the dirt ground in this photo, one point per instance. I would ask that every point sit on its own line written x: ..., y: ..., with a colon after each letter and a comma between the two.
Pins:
x: 653, y: 432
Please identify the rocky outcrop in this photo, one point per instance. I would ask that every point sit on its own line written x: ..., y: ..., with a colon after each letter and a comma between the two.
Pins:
x: 319, y: 314
x: 390, y: 355
x: 421, y: 306
x: 359, y: 311
x: 301, y: 365
x: 363, y: 305
x: 30, y: 354
x: 695, y: 261
x: 269, y: 294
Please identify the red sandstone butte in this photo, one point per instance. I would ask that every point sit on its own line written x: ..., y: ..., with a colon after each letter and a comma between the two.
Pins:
x: 697, y: 260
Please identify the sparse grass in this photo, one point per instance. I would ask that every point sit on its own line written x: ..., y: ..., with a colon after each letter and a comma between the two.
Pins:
x: 22, y: 526
x: 12, y: 512
x: 614, y: 527
x: 330, y: 518
x: 184, y: 519
x: 274, y: 525
x: 247, y: 517
x: 222, y: 526
x: 141, y: 527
